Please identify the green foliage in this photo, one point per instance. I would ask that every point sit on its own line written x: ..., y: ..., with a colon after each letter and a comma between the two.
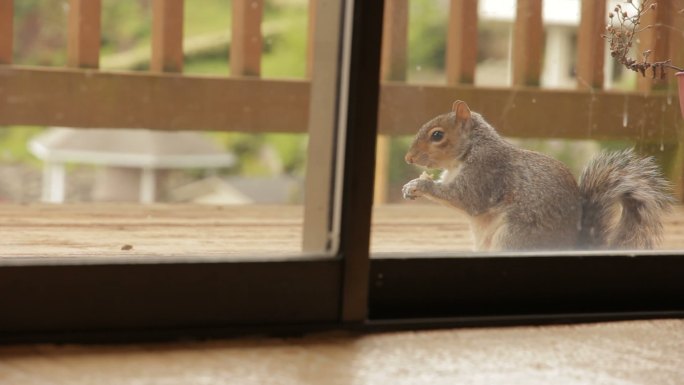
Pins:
x: 253, y: 150
x: 284, y: 46
x: 125, y: 25
x: 286, y: 52
x: 246, y: 149
x: 427, y: 35
x: 399, y: 170
x: 206, y: 16
x: 13, y: 143
x: 292, y: 151
x: 40, y: 32
x: 213, y: 63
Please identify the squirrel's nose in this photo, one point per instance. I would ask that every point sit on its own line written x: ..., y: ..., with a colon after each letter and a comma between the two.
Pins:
x: 408, y: 158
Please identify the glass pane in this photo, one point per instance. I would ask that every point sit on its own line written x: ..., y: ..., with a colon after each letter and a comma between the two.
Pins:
x: 559, y: 105
x: 203, y: 151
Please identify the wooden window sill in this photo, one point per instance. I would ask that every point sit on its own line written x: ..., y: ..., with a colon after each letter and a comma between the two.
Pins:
x: 637, y: 352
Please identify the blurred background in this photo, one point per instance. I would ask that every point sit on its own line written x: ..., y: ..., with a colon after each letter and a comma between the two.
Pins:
x: 248, y: 168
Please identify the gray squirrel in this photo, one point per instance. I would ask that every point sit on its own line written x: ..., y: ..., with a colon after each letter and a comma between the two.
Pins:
x: 523, y: 200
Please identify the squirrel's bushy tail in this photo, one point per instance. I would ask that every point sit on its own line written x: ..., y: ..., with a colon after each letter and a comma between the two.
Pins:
x: 623, y: 199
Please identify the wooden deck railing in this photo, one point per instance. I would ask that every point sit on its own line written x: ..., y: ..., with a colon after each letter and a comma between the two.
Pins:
x: 164, y: 98
x: 6, y: 31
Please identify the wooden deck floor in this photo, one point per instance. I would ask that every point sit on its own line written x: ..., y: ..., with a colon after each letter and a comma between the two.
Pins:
x: 129, y: 230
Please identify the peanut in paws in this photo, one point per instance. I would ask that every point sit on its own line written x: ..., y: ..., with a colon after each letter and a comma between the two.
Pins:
x: 425, y: 176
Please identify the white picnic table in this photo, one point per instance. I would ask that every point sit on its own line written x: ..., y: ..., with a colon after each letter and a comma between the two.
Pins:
x: 148, y: 151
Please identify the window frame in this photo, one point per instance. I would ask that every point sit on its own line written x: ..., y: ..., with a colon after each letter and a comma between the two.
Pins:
x: 525, y: 288
x: 105, y: 299
x: 131, y: 301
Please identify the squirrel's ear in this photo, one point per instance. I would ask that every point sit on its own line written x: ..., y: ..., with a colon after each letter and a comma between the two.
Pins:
x: 461, y: 109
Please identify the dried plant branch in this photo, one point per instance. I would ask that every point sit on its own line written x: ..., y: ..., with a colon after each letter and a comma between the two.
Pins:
x: 621, y: 32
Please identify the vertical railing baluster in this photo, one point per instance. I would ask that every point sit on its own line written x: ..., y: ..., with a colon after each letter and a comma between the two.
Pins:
x: 528, y: 38
x: 394, y: 40
x: 393, y: 68
x: 656, y: 39
x: 676, y: 173
x: 6, y: 30
x: 676, y: 53
x: 83, y: 48
x: 167, y: 36
x: 246, y: 40
x: 590, y: 44
x: 311, y: 31
x: 461, y: 49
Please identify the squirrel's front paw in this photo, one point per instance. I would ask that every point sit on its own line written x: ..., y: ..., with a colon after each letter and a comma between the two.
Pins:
x: 415, y: 188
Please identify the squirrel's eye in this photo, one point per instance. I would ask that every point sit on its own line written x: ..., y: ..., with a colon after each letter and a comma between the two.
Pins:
x: 437, y: 136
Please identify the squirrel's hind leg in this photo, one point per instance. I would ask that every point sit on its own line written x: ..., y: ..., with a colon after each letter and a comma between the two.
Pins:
x: 512, y: 236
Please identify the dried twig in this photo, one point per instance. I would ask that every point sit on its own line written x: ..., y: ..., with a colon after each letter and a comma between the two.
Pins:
x: 620, y: 33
